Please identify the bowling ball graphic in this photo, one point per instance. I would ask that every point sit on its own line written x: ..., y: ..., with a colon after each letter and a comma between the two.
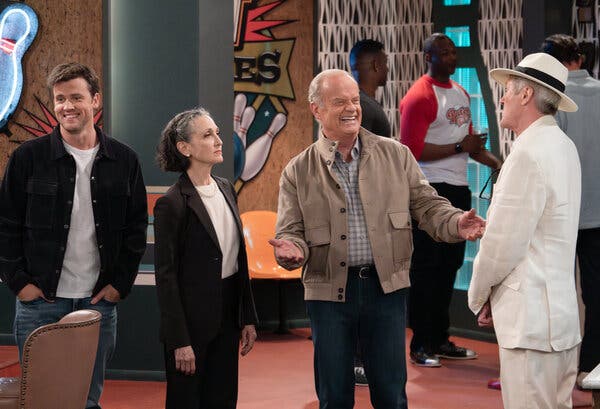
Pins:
x: 239, y: 156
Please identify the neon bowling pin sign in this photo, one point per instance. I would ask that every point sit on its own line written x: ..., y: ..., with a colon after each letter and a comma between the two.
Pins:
x: 18, y: 28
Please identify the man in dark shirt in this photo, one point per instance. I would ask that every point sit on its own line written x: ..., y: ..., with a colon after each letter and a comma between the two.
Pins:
x: 73, y: 219
x: 368, y: 62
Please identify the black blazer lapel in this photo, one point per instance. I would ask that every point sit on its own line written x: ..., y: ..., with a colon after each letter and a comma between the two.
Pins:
x: 227, y: 191
x: 195, y: 203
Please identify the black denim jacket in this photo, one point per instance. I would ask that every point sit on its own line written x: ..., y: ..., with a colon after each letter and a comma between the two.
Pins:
x: 36, y: 199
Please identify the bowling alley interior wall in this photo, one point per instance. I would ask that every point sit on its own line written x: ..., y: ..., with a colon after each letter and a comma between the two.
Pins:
x: 287, y: 96
x: 69, y: 30
x: 311, y: 35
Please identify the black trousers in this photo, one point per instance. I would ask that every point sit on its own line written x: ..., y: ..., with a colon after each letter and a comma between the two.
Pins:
x: 588, y: 253
x: 214, y: 385
x: 432, y: 275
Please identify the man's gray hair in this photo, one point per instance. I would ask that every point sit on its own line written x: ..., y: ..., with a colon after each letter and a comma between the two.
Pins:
x: 546, y: 101
x: 315, y: 87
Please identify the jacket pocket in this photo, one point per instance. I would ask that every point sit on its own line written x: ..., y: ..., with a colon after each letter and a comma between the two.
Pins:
x: 41, y: 203
x: 318, y: 240
x: 513, y: 285
x: 118, y: 195
x: 402, y: 244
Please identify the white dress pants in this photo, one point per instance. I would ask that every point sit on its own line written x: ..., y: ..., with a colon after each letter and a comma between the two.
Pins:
x: 537, y: 380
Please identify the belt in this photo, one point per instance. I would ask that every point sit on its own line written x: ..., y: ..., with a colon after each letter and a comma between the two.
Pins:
x: 363, y: 271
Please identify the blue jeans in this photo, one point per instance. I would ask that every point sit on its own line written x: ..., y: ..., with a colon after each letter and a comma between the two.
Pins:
x: 32, y: 314
x: 378, y: 322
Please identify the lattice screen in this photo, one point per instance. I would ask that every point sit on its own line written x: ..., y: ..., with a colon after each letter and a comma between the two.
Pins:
x: 402, y: 26
x: 500, y: 31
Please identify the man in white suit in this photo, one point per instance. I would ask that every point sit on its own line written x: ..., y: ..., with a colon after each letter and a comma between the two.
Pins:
x: 523, y: 273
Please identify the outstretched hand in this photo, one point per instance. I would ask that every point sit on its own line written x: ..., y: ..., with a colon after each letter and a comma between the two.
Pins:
x: 286, y: 251
x: 470, y: 226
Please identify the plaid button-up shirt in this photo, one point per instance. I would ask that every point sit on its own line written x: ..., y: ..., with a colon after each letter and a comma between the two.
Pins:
x: 359, y: 246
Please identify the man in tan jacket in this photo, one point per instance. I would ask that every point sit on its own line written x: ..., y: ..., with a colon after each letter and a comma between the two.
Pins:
x: 345, y: 217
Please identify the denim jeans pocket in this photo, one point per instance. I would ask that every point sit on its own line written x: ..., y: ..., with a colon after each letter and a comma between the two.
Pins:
x: 106, y: 302
x: 35, y: 301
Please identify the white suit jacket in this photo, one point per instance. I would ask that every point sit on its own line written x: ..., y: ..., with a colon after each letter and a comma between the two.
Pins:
x: 525, y: 264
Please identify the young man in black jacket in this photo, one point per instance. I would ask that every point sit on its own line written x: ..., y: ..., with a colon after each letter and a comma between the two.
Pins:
x: 73, y: 219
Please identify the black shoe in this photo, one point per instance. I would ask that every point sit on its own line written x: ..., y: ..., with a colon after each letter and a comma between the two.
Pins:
x: 360, y: 379
x: 449, y: 350
x: 424, y: 358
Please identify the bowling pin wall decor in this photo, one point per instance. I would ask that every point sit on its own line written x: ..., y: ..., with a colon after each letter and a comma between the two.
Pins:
x: 257, y: 153
x: 254, y: 131
x: 262, y: 82
x: 18, y: 28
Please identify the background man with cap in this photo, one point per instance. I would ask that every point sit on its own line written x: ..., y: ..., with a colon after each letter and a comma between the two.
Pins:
x: 523, y: 273
x: 582, y: 127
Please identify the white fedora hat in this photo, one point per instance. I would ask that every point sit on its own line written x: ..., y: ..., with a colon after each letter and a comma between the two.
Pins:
x: 543, y: 69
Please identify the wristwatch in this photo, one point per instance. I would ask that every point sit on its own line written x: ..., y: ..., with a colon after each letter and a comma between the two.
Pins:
x: 458, y: 148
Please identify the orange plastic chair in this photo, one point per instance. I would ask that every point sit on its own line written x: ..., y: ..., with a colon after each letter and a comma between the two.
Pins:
x: 259, y: 227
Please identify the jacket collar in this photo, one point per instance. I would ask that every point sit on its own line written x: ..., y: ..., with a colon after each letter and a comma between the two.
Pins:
x: 195, y: 203
x: 327, y: 147
x: 224, y: 187
x: 530, y: 131
x: 57, y: 148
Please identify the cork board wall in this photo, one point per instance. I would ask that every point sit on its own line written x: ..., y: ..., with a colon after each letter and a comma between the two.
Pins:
x: 296, y: 29
x: 68, y: 30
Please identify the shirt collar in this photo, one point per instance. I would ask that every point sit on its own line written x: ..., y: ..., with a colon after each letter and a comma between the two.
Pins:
x: 576, y: 74
x: 354, y: 153
x: 58, y: 149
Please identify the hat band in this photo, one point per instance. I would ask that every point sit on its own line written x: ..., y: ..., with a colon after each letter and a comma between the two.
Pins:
x: 542, y: 76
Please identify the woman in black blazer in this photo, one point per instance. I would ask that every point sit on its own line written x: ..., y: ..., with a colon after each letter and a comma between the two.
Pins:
x: 204, y: 293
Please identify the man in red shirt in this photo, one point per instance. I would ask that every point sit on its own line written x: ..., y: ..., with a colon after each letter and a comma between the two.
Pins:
x: 435, y: 124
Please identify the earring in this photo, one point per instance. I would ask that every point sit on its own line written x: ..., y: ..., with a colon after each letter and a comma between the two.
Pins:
x: 188, y: 155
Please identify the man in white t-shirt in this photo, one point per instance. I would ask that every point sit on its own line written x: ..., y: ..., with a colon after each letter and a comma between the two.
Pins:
x: 74, y: 217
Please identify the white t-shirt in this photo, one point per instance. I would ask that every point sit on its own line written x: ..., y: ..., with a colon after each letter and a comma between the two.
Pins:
x: 437, y: 113
x: 224, y: 224
x: 450, y: 126
x: 81, y: 264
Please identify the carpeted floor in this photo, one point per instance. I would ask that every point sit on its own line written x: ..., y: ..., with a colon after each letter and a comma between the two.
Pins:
x: 277, y: 374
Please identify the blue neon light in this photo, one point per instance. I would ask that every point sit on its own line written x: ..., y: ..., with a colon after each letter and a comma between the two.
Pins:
x: 18, y: 28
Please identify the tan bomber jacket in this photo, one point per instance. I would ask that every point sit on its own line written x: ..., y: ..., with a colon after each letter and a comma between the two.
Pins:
x: 311, y: 213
